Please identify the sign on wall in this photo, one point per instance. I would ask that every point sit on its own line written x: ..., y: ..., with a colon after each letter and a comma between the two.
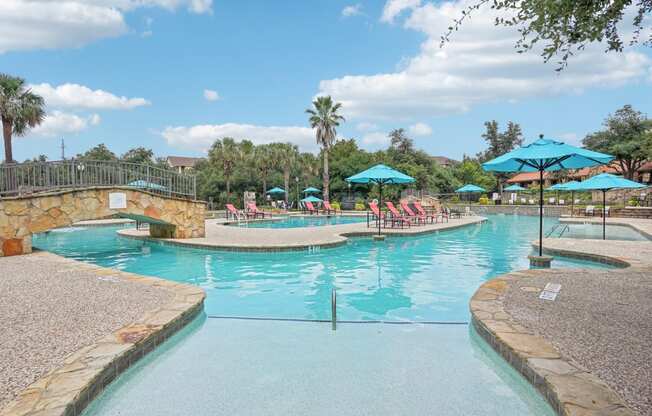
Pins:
x: 117, y: 200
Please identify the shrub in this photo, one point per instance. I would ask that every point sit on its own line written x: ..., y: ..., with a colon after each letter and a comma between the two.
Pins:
x: 455, y: 199
x: 336, y: 205
x: 359, y: 206
x: 483, y: 200
x: 633, y: 202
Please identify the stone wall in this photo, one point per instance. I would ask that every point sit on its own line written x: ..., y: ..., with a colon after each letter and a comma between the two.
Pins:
x: 548, y: 210
x: 21, y: 217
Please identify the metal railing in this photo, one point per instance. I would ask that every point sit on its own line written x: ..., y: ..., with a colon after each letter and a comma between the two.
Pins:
x: 20, y: 179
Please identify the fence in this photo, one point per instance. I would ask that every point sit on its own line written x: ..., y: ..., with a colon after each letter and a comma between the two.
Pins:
x: 33, y: 177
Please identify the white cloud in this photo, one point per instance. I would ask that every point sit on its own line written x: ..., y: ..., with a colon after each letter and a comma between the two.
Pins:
x: 376, y: 139
x: 211, y: 95
x: 570, y: 138
x: 352, y: 10
x: 201, y: 137
x: 420, y: 129
x: 58, y: 123
x: 48, y: 24
x: 364, y: 126
x: 479, y: 65
x: 79, y: 96
x: 395, y: 7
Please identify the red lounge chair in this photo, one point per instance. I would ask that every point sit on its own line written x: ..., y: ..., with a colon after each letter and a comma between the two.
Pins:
x: 328, y: 209
x: 311, y: 208
x: 434, y: 216
x: 419, y: 217
x: 377, y: 216
x: 232, y: 212
x: 396, y: 217
x: 252, y: 209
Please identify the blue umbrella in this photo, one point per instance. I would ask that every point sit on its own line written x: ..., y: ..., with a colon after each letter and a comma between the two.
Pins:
x: 276, y: 190
x: 514, y: 188
x: 311, y: 199
x: 605, y: 182
x: 470, y: 188
x: 566, y: 186
x: 381, y: 175
x: 147, y: 185
x: 311, y: 190
x: 545, y: 155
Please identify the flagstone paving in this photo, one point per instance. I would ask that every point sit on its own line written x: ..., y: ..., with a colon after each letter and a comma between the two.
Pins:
x: 69, y: 328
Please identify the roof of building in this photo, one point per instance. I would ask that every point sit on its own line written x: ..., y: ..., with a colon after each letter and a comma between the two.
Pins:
x: 585, y: 172
x: 646, y: 167
x: 527, y: 177
x: 183, y: 161
x: 443, y: 160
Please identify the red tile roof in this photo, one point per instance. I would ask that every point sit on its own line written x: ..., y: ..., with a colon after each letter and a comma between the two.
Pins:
x: 527, y: 177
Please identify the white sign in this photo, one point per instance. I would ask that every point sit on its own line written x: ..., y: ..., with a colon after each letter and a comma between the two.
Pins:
x: 552, y: 287
x: 545, y: 295
x: 117, y: 200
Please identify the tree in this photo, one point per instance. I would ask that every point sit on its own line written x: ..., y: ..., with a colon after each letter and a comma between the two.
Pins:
x: 226, y: 154
x: 400, y: 142
x: 500, y: 143
x: 264, y: 162
x: 470, y: 171
x: 139, y: 155
x: 99, y: 152
x: 565, y: 27
x: 324, y: 119
x: 627, y: 136
x: 20, y: 110
x: 287, y: 155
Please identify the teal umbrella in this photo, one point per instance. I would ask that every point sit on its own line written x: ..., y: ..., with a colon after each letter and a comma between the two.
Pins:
x: 276, y: 190
x: 514, y: 188
x: 566, y: 186
x: 545, y: 155
x: 147, y: 185
x: 470, y: 188
x: 311, y: 190
x: 382, y: 175
x: 311, y: 199
x: 605, y: 182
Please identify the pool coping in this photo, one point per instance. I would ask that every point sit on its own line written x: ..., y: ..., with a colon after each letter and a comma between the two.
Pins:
x: 67, y: 390
x: 339, y: 237
x: 625, y: 222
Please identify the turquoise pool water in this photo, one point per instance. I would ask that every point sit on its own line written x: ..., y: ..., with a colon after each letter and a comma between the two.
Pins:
x: 594, y: 231
x: 304, y: 221
x: 232, y: 366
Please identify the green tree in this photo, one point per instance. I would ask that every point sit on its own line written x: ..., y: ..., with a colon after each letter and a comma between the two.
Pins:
x: 499, y: 144
x: 99, y: 152
x: 139, y: 155
x: 264, y: 162
x: 470, y: 171
x: 627, y: 136
x: 564, y: 27
x: 287, y: 155
x: 324, y: 119
x: 225, y: 154
x: 20, y: 110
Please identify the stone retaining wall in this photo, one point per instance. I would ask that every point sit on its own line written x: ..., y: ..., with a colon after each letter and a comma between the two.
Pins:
x: 21, y: 217
x: 548, y: 210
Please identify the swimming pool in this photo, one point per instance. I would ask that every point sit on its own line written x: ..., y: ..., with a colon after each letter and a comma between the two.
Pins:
x: 303, y: 221
x: 594, y: 231
x: 228, y: 366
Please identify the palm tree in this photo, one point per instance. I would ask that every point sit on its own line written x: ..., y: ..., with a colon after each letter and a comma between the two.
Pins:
x: 20, y: 110
x: 225, y: 154
x: 287, y: 155
x: 265, y: 161
x: 324, y: 119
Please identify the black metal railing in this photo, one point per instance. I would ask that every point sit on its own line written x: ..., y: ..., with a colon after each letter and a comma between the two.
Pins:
x: 18, y: 179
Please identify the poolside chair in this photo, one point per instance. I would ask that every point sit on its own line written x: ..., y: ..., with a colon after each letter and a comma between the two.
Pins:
x: 253, y: 210
x: 551, y: 201
x: 423, y: 212
x: 562, y: 202
x: 453, y: 213
x: 605, y: 211
x: 328, y: 209
x: 577, y: 201
x: 417, y: 217
x: 376, y: 215
x: 531, y: 201
x: 396, y: 217
x: 233, y: 212
x: 311, y: 208
x: 590, y: 210
x: 523, y: 201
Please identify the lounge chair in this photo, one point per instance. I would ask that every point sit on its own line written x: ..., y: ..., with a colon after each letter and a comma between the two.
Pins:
x: 252, y: 210
x: 328, y: 209
x: 452, y: 213
x: 396, y: 217
x: 376, y: 215
x: 562, y: 202
x: 417, y: 217
x: 432, y: 215
x: 551, y: 201
x: 590, y: 210
x: 233, y: 212
x: 311, y: 208
x: 531, y: 201
x: 605, y: 211
x: 523, y: 201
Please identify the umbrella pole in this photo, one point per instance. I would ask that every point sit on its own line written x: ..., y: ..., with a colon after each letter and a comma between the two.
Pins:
x: 540, y: 212
x: 380, y: 204
x: 604, y: 206
x: 572, y: 203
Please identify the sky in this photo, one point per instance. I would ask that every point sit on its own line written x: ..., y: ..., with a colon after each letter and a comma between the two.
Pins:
x: 174, y: 75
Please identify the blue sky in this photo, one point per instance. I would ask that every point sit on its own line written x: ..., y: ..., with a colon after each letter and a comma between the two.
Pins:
x: 134, y: 73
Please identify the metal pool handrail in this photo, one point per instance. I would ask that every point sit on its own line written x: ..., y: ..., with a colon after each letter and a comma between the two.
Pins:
x: 18, y: 179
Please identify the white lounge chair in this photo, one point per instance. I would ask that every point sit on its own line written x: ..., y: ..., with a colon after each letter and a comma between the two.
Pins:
x: 606, y: 211
x: 590, y: 210
x: 523, y: 201
x: 562, y: 202
x: 577, y: 201
x: 551, y: 201
x: 531, y: 201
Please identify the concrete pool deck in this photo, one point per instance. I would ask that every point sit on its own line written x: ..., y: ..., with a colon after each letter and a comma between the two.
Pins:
x: 69, y: 328
x: 589, y: 347
x: 221, y: 236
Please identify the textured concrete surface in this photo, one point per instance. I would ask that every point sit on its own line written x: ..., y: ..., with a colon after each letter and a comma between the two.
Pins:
x: 600, y: 320
x: 219, y: 235
x: 50, y: 308
x: 644, y: 226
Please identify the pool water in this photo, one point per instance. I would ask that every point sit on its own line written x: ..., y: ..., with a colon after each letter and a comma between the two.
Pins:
x: 303, y: 221
x: 594, y: 231
x: 226, y: 366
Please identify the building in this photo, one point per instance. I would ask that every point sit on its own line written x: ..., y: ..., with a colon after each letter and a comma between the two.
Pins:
x: 182, y: 164
x: 528, y: 179
x: 444, y: 161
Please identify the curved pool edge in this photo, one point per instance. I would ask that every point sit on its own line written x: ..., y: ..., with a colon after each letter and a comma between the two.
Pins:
x: 567, y: 388
x: 68, y: 389
x: 318, y: 237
